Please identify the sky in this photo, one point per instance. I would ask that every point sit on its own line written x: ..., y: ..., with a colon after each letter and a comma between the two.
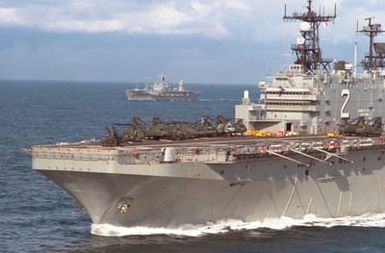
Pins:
x: 199, y: 41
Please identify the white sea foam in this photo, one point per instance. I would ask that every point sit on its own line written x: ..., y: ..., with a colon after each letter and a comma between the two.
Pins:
x: 367, y: 220
x: 218, y: 99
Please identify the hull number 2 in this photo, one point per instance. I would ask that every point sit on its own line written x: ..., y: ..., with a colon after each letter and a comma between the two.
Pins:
x: 345, y: 93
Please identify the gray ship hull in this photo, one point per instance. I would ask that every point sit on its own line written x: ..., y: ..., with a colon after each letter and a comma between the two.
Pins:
x: 149, y: 95
x: 171, y: 195
x: 139, y: 95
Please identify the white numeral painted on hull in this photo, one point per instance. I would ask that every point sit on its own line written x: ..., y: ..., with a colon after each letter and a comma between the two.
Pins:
x: 345, y: 92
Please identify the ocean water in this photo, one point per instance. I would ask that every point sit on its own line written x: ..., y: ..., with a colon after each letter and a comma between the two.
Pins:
x: 37, y: 216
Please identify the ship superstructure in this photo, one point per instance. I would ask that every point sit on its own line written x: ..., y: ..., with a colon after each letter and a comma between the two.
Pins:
x: 162, y: 91
x: 136, y: 178
x: 309, y: 97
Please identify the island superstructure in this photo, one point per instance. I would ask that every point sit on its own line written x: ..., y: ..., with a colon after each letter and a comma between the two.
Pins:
x: 134, y: 178
x: 311, y: 98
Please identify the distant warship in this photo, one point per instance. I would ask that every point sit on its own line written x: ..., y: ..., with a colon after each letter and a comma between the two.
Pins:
x: 206, y: 172
x: 162, y: 91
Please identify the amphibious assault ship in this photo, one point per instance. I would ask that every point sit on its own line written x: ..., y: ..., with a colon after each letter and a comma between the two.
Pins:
x: 162, y: 91
x: 210, y: 171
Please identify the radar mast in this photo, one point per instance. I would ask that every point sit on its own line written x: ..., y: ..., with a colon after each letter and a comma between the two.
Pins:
x: 376, y: 56
x: 308, y: 50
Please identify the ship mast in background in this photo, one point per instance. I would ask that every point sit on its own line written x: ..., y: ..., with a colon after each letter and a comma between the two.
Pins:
x: 307, y: 49
x: 376, y: 56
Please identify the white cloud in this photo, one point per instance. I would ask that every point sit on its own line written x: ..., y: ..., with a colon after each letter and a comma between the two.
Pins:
x: 235, y: 5
x: 348, y: 13
x: 90, y: 26
x: 160, y: 19
x: 201, y: 9
x: 256, y: 20
x: 9, y: 16
x: 206, y: 18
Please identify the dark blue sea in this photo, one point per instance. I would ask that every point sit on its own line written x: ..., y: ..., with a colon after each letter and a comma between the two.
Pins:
x: 37, y: 216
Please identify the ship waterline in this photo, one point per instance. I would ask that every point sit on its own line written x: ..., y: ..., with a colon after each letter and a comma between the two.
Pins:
x: 146, y: 95
x: 175, y: 194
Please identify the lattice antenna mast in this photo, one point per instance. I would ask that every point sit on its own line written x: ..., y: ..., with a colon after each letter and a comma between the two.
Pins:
x: 373, y: 60
x: 307, y: 49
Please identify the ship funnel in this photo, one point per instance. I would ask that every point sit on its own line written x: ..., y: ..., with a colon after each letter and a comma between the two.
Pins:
x: 245, y: 99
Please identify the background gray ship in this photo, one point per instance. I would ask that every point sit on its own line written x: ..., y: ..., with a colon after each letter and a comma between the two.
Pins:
x: 162, y: 91
x: 131, y: 178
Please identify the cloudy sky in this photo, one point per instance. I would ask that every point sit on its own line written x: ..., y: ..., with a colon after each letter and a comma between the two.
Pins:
x: 200, y: 41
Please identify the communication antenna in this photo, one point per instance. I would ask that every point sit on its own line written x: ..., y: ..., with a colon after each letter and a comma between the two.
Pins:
x: 376, y: 56
x: 309, y: 54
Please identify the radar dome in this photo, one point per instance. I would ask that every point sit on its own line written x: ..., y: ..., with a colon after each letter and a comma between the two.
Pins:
x: 305, y: 27
x: 245, y: 99
x: 246, y: 94
x: 300, y: 41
